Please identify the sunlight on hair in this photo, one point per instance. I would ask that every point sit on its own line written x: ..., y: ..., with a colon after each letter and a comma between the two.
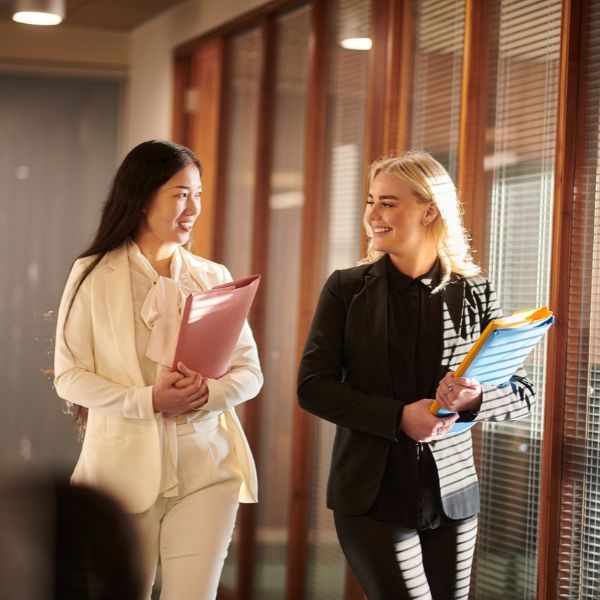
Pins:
x: 431, y: 182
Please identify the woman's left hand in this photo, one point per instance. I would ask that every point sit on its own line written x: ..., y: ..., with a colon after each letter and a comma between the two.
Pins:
x: 190, y: 378
x: 459, y: 393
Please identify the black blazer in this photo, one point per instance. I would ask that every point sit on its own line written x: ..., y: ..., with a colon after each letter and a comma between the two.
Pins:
x: 345, y: 377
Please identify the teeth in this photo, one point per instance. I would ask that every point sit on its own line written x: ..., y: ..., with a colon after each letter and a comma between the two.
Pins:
x: 381, y: 229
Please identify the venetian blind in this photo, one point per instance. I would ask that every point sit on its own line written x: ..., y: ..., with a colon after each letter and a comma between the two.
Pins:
x: 438, y: 52
x: 281, y: 292
x: 579, y: 552
x: 242, y: 99
x: 242, y: 116
x: 345, y: 173
x: 519, y: 163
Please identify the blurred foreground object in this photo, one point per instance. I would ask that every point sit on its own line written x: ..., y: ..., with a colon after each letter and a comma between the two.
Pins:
x: 59, y: 541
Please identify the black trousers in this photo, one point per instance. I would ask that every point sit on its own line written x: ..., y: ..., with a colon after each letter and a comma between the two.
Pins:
x: 394, y: 563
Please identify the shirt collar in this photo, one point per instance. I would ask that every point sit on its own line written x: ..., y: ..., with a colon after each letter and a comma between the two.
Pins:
x: 143, y: 264
x: 401, y: 282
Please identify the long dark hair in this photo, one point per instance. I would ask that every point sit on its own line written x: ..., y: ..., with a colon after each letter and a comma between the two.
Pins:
x: 143, y: 171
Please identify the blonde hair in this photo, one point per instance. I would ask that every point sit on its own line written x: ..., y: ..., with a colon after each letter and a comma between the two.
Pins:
x: 430, y: 182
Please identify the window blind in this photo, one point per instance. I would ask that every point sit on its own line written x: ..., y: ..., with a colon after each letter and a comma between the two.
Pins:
x: 519, y: 163
x: 242, y: 115
x: 242, y: 98
x: 439, y: 40
x: 281, y: 292
x: 345, y: 176
x: 579, y: 549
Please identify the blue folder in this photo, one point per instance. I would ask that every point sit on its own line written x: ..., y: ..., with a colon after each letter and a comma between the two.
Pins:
x: 501, y: 354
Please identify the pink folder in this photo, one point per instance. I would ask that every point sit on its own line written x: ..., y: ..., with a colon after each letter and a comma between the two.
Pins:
x: 211, y: 325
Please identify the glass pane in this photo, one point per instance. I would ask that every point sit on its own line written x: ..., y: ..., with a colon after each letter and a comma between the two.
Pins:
x: 580, y: 498
x: 439, y: 38
x: 242, y: 96
x: 345, y: 172
x: 58, y: 151
x: 281, y: 281
x: 519, y: 163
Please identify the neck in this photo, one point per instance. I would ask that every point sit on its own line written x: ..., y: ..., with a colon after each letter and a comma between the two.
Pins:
x: 415, y: 265
x: 158, y: 254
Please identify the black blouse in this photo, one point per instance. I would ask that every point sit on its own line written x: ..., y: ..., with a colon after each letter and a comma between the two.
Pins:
x: 409, y: 495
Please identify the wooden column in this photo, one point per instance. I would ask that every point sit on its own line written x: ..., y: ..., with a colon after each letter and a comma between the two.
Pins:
x: 181, y: 83
x: 204, y: 100
x: 247, y: 519
x: 377, y: 85
x: 552, y: 445
x: 473, y: 112
x: 313, y: 218
x: 402, y: 34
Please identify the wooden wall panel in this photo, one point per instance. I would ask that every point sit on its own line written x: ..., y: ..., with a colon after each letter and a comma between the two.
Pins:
x: 474, y: 93
x: 552, y: 449
x: 203, y: 135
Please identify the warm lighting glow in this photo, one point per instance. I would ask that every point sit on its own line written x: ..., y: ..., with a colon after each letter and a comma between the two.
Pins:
x: 356, y: 43
x: 37, y: 18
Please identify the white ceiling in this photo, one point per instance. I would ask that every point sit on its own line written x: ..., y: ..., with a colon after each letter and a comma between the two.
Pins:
x: 116, y: 15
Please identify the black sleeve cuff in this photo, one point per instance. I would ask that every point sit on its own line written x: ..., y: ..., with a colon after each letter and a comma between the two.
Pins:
x: 399, y: 433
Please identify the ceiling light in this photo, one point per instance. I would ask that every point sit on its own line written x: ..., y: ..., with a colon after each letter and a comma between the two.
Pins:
x: 39, y: 12
x: 358, y: 43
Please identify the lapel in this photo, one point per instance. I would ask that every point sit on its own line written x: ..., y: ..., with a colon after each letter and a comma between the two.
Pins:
x: 453, y: 300
x: 376, y: 294
x: 120, y: 310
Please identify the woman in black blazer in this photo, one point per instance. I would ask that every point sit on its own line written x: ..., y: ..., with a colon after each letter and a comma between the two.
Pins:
x: 385, y: 339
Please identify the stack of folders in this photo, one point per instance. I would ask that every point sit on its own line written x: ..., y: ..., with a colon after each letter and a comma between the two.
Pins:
x: 500, y: 350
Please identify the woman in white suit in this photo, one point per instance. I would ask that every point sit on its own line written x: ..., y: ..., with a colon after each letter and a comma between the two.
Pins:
x: 167, y: 444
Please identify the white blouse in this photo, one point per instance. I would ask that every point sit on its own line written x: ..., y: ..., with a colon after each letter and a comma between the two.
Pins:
x: 158, y: 305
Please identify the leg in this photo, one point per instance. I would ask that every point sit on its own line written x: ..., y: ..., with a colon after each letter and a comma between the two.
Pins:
x: 147, y: 527
x: 195, y: 535
x: 386, y: 558
x: 448, y: 556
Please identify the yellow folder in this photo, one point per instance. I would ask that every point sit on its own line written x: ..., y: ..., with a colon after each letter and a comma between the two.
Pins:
x: 523, y: 320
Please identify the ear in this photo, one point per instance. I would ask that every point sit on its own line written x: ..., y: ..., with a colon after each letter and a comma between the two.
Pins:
x: 431, y: 213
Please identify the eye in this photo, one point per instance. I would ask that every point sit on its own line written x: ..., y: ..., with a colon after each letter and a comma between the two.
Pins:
x: 387, y: 205
x: 370, y: 202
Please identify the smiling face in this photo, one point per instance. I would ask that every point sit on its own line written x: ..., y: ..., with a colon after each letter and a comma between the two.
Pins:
x: 397, y: 219
x: 169, y: 217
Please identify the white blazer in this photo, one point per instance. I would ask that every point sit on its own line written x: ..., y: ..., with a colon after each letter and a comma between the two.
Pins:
x: 97, y: 367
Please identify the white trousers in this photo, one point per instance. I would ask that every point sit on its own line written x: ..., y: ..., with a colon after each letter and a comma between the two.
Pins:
x: 189, y: 534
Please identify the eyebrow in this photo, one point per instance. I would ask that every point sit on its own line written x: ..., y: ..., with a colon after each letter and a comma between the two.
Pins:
x: 185, y: 187
x: 388, y: 197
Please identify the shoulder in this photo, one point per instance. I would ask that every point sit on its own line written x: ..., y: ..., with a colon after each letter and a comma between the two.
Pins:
x: 349, y: 277
x: 344, y: 280
x: 477, y: 284
x: 480, y: 290
x: 204, y: 268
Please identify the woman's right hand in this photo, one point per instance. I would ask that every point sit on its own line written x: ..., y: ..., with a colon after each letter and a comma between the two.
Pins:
x: 421, y: 426
x: 175, y: 394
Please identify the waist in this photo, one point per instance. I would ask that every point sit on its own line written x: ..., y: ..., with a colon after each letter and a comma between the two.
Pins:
x: 207, y: 423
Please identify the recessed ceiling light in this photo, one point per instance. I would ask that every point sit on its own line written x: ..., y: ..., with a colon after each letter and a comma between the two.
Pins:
x: 39, y: 12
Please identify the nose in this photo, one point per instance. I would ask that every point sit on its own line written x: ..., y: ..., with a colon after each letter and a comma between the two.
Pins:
x: 193, y: 205
x: 372, y: 213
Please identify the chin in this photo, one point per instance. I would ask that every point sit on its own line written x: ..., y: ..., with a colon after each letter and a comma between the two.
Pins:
x: 379, y: 248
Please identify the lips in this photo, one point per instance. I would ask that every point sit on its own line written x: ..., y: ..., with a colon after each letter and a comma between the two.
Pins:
x: 186, y: 225
x: 381, y: 230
